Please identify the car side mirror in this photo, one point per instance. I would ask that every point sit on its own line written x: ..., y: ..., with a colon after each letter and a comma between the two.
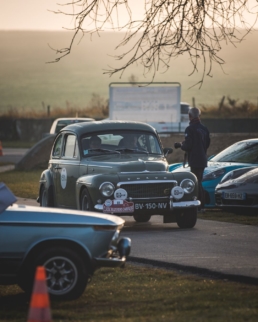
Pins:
x: 167, y: 151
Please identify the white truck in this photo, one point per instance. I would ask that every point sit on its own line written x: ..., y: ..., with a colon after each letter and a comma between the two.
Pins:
x: 158, y: 104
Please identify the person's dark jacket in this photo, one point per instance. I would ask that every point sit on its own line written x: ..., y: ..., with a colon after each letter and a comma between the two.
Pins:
x: 197, y: 141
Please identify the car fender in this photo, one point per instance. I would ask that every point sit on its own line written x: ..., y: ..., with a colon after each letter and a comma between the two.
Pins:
x: 92, y: 183
x: 35, y: 249
x: 46, y: 179
x: 180, y: 176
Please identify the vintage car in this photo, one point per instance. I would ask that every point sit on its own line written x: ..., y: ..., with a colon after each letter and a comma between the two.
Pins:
x: 238, y: 155
x: 117, y: 167
x: 70, y: 244
x: 238, y: 191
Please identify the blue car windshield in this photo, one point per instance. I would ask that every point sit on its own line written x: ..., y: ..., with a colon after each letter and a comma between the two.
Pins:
x: 244, y: 152
x: 120, y: 141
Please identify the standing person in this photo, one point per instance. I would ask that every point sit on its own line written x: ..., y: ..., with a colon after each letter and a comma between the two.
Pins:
x: 196, y: 143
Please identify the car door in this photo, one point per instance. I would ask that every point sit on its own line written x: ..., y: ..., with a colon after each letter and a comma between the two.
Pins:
x: 67, y: 172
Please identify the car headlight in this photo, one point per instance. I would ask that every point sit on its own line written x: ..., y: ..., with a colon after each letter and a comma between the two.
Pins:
x: 188, y: 185
x: 227, y: 176
x: 107, y: 189
x: 214, y: 175
x: 234, y: 174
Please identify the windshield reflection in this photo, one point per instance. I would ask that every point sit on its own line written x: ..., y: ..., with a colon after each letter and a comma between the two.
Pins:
x: 244, y: 152
x: 120, y: 142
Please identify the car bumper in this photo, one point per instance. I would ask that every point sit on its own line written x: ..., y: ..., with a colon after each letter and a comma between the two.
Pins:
x: 172, y: 205
x: 117, y: 257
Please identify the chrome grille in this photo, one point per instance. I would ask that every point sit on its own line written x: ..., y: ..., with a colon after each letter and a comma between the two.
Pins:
x: 148, y: 190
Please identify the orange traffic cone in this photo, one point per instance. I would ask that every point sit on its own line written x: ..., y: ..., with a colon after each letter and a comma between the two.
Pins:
x: 1, y: 149
x: 39, y: 304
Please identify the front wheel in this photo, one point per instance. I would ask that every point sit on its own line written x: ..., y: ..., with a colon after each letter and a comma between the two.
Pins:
x: 142, y: 218
x: 85, y: 200
x: 66, y: 274
x: 187, y: 218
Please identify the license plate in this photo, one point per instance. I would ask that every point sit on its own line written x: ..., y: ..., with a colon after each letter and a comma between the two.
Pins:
x: 151, y: 206
x: 234, y: 195
x: 118, y: 206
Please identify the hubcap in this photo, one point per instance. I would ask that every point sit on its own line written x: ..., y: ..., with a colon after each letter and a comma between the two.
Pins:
x: 85, y: 204
x: 62, y: 275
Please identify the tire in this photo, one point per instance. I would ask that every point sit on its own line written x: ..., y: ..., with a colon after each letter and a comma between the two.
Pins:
x: 85, y: 201
x: 46, y: 198
x: 66, y: 274
x: 187, y: 218
x: 142, y: 218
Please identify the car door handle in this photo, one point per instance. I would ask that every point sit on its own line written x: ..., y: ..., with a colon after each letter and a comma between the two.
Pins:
x: 57, y: 168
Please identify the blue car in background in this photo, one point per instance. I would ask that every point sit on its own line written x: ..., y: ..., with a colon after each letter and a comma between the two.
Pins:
x: 238, y: 155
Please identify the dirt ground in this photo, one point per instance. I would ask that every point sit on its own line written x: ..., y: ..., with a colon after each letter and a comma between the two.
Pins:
x: 219, y: 142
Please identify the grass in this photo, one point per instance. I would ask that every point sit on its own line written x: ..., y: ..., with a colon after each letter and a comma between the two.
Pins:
x: 17, y: 144
x: 145, y: 294
x: 24, y: 184
x: 243, y: 217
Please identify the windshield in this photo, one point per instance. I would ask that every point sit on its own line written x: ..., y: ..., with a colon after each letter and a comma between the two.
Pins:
x: 244, y: 152
x: 119, y: 141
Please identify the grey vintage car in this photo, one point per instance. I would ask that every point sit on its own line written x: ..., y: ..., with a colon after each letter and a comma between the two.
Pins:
x: 120, y: 168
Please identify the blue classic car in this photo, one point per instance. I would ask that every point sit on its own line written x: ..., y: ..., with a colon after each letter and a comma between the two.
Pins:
x: 70, y: 244
x: 238, y: 155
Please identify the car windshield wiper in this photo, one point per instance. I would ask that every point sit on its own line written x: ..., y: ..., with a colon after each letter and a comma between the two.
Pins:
x: 132, y: 150
x: 104, y: 150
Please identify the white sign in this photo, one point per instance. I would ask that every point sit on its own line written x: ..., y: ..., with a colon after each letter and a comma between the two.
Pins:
x: 149, y: 104
x: 63, y: 178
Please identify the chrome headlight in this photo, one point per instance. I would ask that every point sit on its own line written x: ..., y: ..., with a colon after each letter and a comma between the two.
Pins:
x: 214, y: 175
x: 187, y: 185
x: 107, y: 189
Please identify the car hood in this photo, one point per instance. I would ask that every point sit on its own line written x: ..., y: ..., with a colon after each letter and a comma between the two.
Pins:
x: 213, y: 166
x: 135, y: 163
x: 51, y: 216
x: 248, y: 177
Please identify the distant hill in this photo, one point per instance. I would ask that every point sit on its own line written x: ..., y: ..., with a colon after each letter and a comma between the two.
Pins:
x: 27, y: 80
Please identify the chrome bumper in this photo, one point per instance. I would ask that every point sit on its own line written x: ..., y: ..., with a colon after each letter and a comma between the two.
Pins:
x: 185, y: 204
x: 123, y: 248
x: 173, y: 205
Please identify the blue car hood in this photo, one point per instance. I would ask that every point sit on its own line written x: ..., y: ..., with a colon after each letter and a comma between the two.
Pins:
x: 213, y: 166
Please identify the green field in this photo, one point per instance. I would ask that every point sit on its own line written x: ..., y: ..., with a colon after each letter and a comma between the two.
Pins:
x: 27, y: 79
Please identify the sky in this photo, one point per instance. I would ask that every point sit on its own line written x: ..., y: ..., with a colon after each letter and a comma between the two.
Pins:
x: 35, y: 14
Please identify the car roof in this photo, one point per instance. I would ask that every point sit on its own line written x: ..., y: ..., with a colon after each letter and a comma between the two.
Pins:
x: 54, y: 127
x: 81, y: 128
x: 75, y: 118
x: 247, y: 140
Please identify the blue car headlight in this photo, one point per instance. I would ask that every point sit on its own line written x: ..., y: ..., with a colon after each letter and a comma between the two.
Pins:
x: 214, y: 174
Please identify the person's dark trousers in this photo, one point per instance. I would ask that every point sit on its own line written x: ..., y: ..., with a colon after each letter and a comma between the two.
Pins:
x: 201, y: 195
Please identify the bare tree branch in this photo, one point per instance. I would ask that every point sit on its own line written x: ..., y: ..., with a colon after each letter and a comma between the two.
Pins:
x: 168, y: 29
